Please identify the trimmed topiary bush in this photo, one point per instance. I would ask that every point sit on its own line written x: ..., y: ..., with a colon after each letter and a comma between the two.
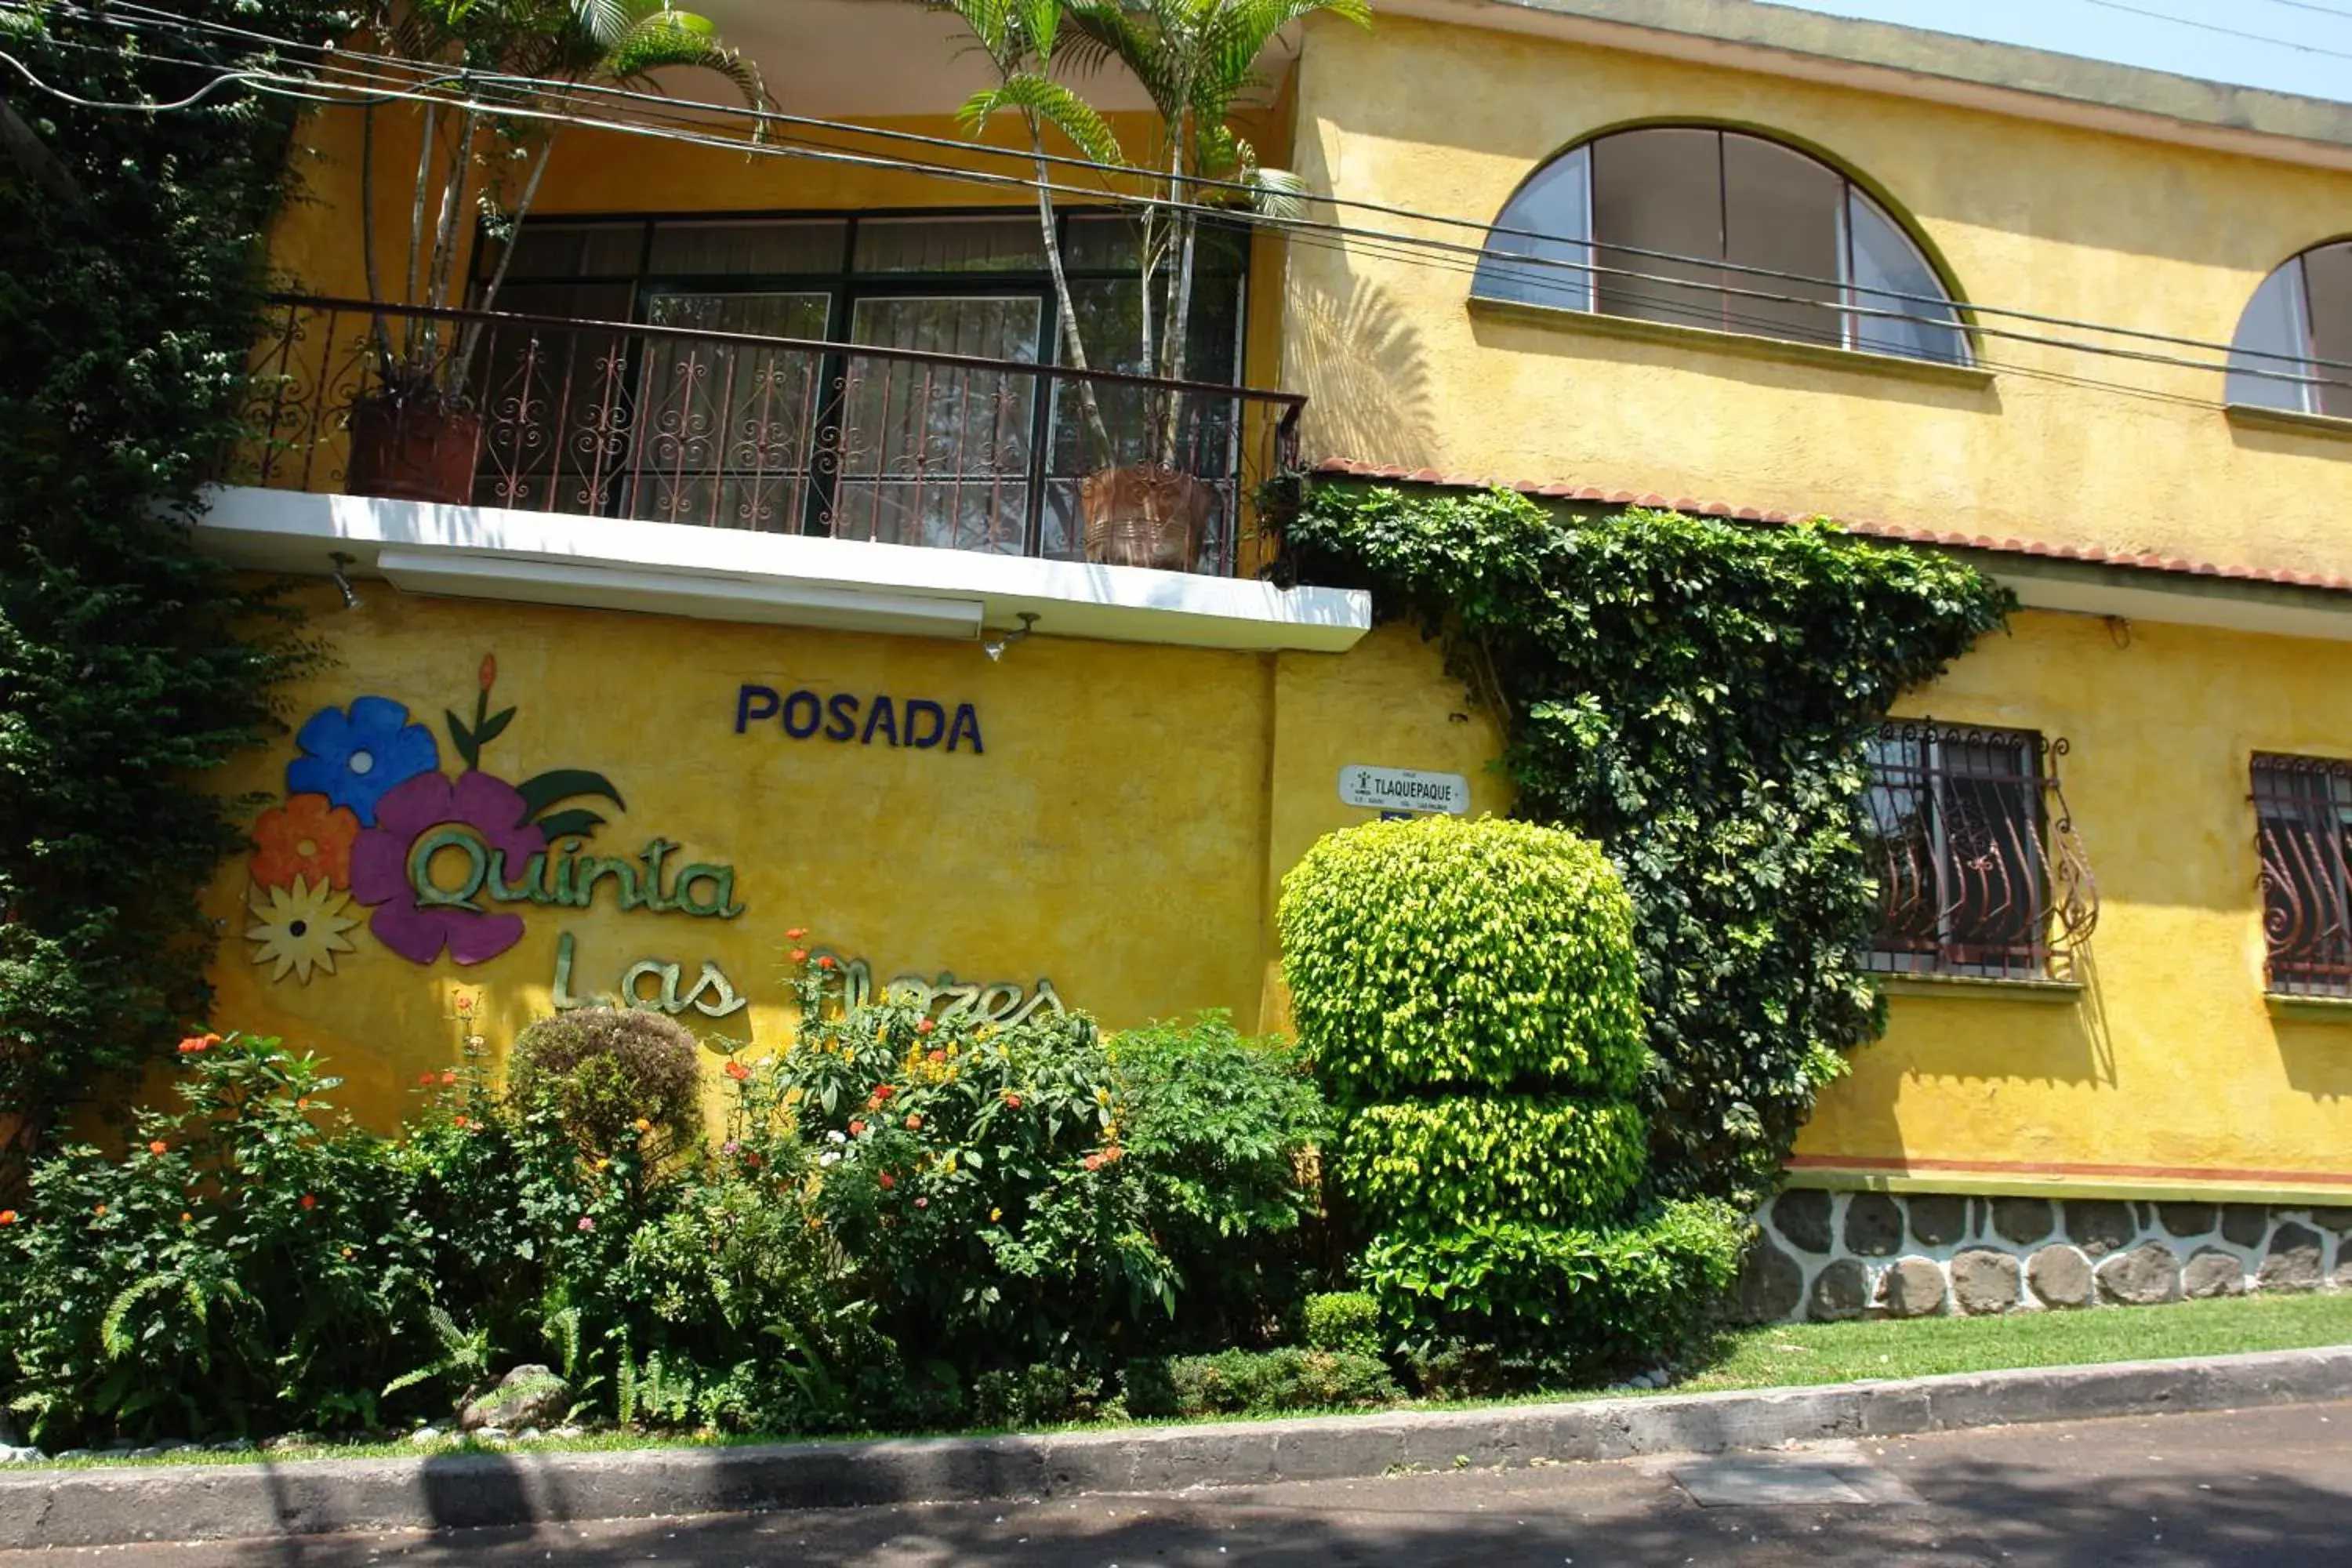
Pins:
x: 1431, y: 1163
x: 1589, y: 1297
x: 1342, y: 1321
x: 1438, y: 954
x: 604, y: 1069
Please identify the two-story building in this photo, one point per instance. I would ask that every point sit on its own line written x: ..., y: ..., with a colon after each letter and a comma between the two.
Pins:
x: 769, y: 608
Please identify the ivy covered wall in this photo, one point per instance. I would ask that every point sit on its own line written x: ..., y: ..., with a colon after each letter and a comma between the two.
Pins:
x: 1697, y: 695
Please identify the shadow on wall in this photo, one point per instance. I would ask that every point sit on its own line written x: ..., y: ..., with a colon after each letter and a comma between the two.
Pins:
x: 1369, y: 375
x: 1760, y: 363
x: 2316, y: 1054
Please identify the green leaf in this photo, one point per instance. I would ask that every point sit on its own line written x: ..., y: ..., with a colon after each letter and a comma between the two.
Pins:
x: 543, y: 790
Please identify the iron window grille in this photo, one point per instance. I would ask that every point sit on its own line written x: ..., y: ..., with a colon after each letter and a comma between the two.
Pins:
x: 2302, y: 811
x: 1980, y: 872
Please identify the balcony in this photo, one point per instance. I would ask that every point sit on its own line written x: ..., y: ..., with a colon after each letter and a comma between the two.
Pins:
x: 826, y: 477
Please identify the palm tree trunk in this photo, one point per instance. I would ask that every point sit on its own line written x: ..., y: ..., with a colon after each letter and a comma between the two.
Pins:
x: 416, y: 227
x: 445, y: 232
x: 377, y: 330
x: 1089, y: 409
x: 473, y: 334
x: 1180, y: 310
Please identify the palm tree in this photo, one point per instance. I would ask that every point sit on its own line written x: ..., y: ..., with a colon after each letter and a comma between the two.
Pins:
x: 1019, y: 40
x: 1194, y: 59
x: 516, y: 61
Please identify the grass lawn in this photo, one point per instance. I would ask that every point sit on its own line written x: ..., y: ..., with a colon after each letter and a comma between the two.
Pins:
x: 1782, y: 1355
x: 1789, y: 1353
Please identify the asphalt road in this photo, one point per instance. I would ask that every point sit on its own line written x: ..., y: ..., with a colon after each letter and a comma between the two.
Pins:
x: 2264, y: 1486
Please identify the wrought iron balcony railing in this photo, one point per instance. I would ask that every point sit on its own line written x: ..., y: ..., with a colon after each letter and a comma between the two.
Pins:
x: 725, y: 429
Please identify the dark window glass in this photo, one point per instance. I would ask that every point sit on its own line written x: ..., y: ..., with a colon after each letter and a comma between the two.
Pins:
x: 2294, y: 341
x: 1962, y: 859
x: 2303, y: 809
x: 1718, y: 229
x: 2327, y: 280
x: 1657, y: 212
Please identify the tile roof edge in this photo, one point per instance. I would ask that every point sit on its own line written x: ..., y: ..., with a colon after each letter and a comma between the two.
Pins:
x: 2089, y: 554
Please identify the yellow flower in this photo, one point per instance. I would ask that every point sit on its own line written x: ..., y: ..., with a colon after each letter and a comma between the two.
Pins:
x: 795, y: 1095
x: 602, y: 1164
x: 1102, y: 1095
x: 643, y: 1125
x: 996, y: 1214
x: 300, y: 928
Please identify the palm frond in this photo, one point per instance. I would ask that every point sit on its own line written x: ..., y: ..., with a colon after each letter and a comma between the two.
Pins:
x: 1054, y: 104
x: 680, y: 40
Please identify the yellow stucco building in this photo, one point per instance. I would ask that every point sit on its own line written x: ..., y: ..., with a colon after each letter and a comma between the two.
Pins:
x: 2086, y: 325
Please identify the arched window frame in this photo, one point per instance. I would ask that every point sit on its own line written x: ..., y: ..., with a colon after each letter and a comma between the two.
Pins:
x: 1891, y: 296
x: 2291, y: 351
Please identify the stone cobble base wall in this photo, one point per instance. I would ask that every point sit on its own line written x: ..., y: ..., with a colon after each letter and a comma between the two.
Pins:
x: 1829, y: 1256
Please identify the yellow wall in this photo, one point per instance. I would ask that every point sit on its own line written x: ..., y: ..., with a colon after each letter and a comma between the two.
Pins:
x: 1448, y: 119
x: 2169, y: 1074
x: 1120, y: 837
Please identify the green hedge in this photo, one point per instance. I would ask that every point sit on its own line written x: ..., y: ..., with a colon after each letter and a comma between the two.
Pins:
x: 1429, y: 1164
x: 1258, y: 1383
x: 1593, y: 1297
x: 1444, y: 954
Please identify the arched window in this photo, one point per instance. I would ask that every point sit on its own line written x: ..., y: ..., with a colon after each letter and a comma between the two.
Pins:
x: 1722, y: 229
x: 2294, y: 345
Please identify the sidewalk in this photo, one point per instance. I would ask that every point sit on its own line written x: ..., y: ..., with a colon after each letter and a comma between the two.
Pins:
x: 110, y: 1506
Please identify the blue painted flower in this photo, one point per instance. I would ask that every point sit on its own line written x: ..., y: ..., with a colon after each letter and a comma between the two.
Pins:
x: 354, y: 759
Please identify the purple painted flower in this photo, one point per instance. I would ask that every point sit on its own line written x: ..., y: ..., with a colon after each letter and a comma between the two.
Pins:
x: 492, y: 811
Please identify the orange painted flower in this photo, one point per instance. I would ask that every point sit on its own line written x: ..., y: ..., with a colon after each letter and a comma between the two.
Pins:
x: 157, y: 1147
x: 306, y: 838
x: 738, y: 1071
x: 488, y: 673
x: 464, y: 1004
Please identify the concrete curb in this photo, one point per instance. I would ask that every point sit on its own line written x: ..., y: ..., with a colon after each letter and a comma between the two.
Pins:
x: 315, y: 1497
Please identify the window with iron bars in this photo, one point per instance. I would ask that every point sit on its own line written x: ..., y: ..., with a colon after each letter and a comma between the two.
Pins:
x: 1978, y: 874
x: 2302, y: 811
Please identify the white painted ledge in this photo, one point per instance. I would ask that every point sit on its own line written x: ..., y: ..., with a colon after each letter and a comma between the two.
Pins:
x: 724, y: 574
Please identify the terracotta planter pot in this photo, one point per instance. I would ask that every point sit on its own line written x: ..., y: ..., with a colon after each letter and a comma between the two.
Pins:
x: 1145, y: 516
x: 406, y: 453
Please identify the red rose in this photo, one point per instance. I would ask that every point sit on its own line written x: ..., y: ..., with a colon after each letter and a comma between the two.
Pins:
x: 738, y: 1071
x: 1013, y: 1101
x: 825, y: 961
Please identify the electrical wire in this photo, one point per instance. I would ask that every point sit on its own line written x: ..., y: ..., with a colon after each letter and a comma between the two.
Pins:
x: 1376, y: 243
x: 1488, y: 230
x: 2218, y: 27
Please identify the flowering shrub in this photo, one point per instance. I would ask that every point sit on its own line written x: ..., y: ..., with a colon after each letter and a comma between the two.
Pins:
x: 609, y: 1073
x: 975, y: 1172
x: 248, y: 1265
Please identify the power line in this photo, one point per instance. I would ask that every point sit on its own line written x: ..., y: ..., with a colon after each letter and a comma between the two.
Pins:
x: 2312, y: 6
x: 1378, y: 244
x: 2216, y: 27
x: 1487, y: 229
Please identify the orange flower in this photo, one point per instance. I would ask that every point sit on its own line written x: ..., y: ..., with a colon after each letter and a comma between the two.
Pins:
x: 303, y: 1104
x: 914, y: 1122
x: 347, y: 1252
x: 425, y: 1078
x: 857, y: 1129
x: 211, y: 1040
x: 888, y: 1181
x: 1012, y: 1102
x: 924, y: 1026
x: 738, y: 1071
x: 157, y: 1147
x: 186, y: 1216
x: 824, y: 960
x: 309, y: 1201
x: 938, y: 1056
x: 488, y: 673
x: 800, y: 955
x: 460, y: 1122
x: 100, y: 1211
x: 1092, y: 1161
x: 643, y: 1125
x: 306, y: 838
x: 797, y: 933
x: 448, y: 1077
x: 7, y: 1217
x: 191, y: 1045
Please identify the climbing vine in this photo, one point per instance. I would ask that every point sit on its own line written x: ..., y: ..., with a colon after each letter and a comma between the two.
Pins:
x: 1697, y: 695
x: 131, y: 280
